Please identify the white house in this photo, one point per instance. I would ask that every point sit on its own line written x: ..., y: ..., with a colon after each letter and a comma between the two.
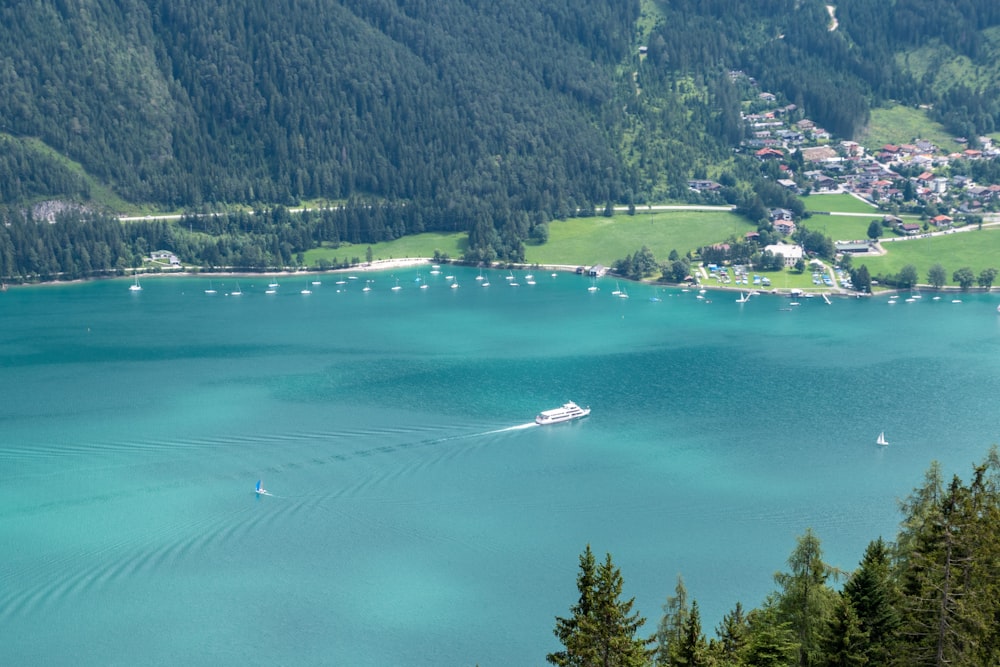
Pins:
x: 791, y: 253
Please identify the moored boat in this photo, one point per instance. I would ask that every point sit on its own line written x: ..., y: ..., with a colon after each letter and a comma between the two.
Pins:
x: 567, y: 412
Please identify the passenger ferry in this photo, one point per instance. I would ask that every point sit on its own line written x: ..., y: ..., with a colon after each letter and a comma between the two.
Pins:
x: 567, y: 412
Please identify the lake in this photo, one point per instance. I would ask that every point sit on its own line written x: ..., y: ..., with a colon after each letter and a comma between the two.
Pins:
x: 416, y: 515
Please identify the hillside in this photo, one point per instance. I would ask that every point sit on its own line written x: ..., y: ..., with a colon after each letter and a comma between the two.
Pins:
x: 487, y: 118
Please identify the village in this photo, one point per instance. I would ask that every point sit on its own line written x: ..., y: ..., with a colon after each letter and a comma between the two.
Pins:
x: 916, y: 178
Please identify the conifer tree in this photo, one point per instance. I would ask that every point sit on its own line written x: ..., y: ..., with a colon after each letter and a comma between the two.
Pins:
x: 845, y: 643
x: 601, y: 632
x: 771, y: 640
x: 874, y: 598
x: 734, y: 636
x: 693, y: 650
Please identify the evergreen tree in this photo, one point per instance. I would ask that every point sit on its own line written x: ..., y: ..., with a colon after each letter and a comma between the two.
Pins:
x: 567, y: 628
x: 733, y: 634
x: 845, y: 642
x: 601, y: 632
x: 693, y: 650
x: 771, y: 640
x: 874, y: 599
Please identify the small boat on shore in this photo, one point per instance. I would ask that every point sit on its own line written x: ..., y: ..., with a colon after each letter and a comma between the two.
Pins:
x: 568, y: 412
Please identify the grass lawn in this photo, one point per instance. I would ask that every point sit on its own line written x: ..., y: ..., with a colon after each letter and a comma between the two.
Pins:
x: 452, y: 244
x: 903, y: 125
x: 583, y: 241
x: 839, y: 203
x: 601, y: 240
x: 977, y: 249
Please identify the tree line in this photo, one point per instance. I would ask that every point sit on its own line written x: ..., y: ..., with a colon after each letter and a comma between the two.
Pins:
x: 930, y: 598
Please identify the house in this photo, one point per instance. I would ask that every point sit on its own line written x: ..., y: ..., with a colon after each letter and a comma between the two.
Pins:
x: 941, y: 221
x: 785, y: 227
x: 704, y: 185
x: 791, y: 253
x: 768, y: 153
x: 824, y: 183
x: 597, y: 270
x: 909, y: 228
x: 781, y: 214
x: 164, y: 256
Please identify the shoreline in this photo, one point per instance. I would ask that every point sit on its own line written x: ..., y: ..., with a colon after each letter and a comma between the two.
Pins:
x: 404, y: 262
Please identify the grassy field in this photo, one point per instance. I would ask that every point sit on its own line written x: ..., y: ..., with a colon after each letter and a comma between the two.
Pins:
x: 600, y: 240
x: 419, y: 245
x: 903, y: 125
x: 976, y: 249
x: 583, y: 241
x: 839, y: 203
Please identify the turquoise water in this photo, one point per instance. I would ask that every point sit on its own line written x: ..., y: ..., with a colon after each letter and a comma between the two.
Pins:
x: 416, y: 518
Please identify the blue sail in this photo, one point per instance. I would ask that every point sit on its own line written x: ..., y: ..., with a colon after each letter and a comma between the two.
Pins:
x: 258, y: 486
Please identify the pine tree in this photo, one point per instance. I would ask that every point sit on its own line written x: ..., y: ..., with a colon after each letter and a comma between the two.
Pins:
x: 845, y: 643
x: 873, y: 596
x: 567, y: 628
x: 601, y: 632
x: 771, y: 640
x: 734, y: 636
x: 693, y: 650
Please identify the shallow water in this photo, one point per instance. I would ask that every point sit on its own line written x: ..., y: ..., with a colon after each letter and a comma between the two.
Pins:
x: 417, y: 517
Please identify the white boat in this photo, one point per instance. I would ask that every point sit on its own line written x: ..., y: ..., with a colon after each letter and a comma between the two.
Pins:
x: 135, y: 287
x: 367, y: 287
x: 881, y: 439
x: 237, y: 291
x: 396, y: 287
x: 210, y: 290
x: 272, y: 284
x: 260, y: 490
x: 743, y: 298
x: 568, y: 412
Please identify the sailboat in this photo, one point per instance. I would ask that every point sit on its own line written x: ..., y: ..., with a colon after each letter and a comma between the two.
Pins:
x: 237, y: 291
x: 135, y: 287
x: 881, y: 439
x: 211, y: 289
x: 260, y: 490
x: 743, y: 298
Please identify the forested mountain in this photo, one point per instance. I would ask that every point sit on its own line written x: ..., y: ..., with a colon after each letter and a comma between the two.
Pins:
x: 490, y: 117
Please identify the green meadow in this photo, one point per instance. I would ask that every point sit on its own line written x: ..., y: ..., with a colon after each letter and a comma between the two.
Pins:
x: 838, y: 203
x: 577, y: 241
x: 903, y: 125
x: 977, y: 249
x: 601, y: 240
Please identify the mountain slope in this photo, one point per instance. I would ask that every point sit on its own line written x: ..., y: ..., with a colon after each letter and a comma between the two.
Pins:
x: 182, y: 102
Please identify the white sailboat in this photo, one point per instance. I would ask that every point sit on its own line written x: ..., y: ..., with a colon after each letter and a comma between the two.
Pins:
x: 211, y: 289
x: 135, y: 287
x: 237, y: 291
x: 881, y: 439
x: 260, y: 490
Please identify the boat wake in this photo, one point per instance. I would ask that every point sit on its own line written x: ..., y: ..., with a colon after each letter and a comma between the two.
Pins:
x: 511, y: 428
